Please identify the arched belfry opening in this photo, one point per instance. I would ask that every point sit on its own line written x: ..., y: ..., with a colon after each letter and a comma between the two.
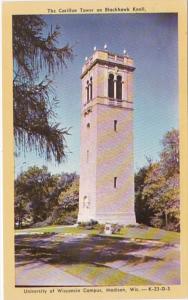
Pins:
x: 119, y: 88
x: 106, y: 151
x: 89, y: 89
x: 111, y: 86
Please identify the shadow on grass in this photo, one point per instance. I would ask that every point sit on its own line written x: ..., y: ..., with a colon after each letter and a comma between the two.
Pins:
x: 96, y: 250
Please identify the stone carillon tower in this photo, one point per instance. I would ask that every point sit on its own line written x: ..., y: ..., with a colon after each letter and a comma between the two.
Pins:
x: 106, y: 167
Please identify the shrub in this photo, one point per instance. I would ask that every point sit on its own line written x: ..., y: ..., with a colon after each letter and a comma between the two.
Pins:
x: 116, y: 228
x: 90, y: 224
x: 66, y: 218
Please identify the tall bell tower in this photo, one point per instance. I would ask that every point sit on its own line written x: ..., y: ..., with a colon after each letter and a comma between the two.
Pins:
x: 106, y: 162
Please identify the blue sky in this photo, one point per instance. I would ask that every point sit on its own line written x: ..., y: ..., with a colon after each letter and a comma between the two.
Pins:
x: 151, y: 40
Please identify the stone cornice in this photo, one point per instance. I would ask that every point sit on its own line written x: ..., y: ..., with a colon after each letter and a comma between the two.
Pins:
x: 126, y: 105
x: 109, y: 64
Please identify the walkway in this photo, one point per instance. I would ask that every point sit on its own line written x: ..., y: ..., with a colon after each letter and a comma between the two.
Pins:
x: 81, y: 260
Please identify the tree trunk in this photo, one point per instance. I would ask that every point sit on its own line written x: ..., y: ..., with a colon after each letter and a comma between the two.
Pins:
x: 166, y: 219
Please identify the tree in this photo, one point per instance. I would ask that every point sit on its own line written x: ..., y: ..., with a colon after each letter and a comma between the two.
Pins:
x: 66, y: 212
x: 169, y: 157
x: 34, y: 98
x: 142, y: 210
x: 37, y: 194
x: 157, y: 200
x: 69, y: 199
x: 32, y: 190
x: 57, y: 210
x: 21, y: 210
x: 162, y: 196
x: 64, y: 181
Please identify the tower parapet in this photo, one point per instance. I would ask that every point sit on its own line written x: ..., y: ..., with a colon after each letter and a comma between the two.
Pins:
x: 106, y: 57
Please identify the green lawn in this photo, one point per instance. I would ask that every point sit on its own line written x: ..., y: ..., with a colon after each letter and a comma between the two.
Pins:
x: 149, y: 233
x: 57, y: 229
x: 101, y: 275
x: 132, y: 232
x: 93, y: 257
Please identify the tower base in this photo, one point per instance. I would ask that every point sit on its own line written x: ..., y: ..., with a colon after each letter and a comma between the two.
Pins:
x: 118, y: 218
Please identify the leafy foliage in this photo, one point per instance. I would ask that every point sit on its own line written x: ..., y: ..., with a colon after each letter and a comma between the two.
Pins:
x: 65, y: 201
x: 142, y: 209
x: 33, y: 188
x: 69, y: 199
x: 37, y: 194
x: 170, y: 153
x: 34, y: 98
x: 157, y: 187
x: 21, y: 210
x: 64, y: 217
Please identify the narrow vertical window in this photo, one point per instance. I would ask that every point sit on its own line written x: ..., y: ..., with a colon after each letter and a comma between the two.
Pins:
x: 84, y: 201
x: 119, y: 88
x: 115, y: 125
x: 91, y: 88
x: 88, y: 204
x: 87, y: 91
x: 111, y: 86
x: 115, y: 182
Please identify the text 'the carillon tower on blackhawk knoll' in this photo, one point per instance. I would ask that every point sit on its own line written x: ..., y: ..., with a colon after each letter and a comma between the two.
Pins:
x: 106, y: 166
